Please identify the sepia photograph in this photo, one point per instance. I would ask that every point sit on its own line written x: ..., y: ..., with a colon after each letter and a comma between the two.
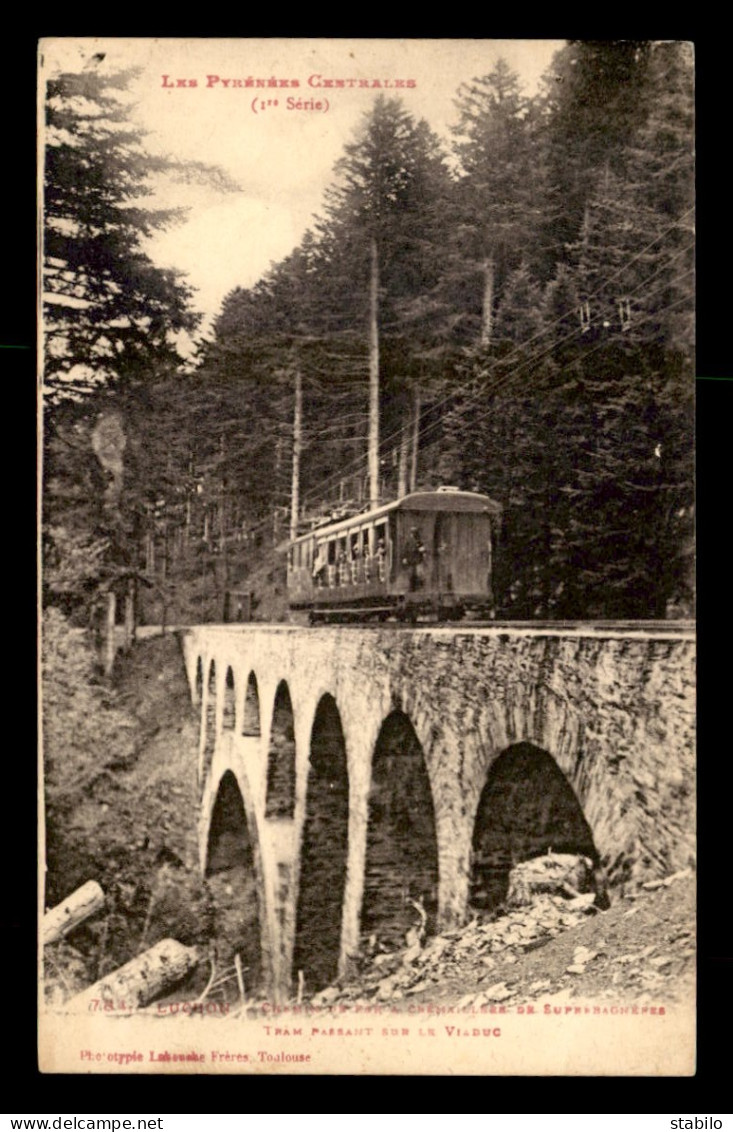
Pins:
x: 367, y: 544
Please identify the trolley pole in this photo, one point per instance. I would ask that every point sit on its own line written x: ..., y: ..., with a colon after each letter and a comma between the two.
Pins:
x: 374, y: 380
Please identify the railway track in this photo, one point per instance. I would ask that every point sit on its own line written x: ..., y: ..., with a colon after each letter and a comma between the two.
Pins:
x: 600, y: 626
x: 581, y: 628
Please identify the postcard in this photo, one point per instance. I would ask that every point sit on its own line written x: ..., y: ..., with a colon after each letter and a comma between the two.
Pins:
x: 367, y: 557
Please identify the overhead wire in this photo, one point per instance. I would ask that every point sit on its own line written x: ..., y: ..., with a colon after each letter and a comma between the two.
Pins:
x: 362, y: 462
x: 359, y: 465
x: 491, y: 390
x: 511, y: 378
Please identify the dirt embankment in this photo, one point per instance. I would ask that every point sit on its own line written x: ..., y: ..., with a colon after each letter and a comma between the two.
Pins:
x: 641, y: 949
x: 126, y: 819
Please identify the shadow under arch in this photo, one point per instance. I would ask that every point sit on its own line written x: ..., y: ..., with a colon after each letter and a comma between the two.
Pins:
x: 280, y: 799
x: 527, y: 807
x: 402, y: 848
x: 324, y: 851
x: 251, y: 715
x: 228, y: 706
x: 231, y: 875
x: 199, y: 684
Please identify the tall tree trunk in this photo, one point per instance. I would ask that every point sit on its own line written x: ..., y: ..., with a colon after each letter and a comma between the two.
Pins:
x: 130, y: 611
x: 548, y: 564
x: 150, y: 553
x: 166, y: 549
x: 374, y: 379
x: 109, y: 638
x: 415, y: 435
x: 189, y: 508
x: 276, y: 505
x: 297, y: 447
x: 487, y: 313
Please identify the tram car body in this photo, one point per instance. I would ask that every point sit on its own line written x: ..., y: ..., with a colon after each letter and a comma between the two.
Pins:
x: 429, y: 553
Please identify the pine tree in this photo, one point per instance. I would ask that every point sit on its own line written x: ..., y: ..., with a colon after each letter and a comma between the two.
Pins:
x: 382, y: 219
x: 110, y: 313
x: 591, y: 105
x: 111, y: 321
x: 635, y: 271
x: 498, y: 192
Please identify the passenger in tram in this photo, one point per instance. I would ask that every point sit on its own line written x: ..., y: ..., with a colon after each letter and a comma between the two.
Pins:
x: 367, y: 558
x: 380, y: 554
x: 414, y: 558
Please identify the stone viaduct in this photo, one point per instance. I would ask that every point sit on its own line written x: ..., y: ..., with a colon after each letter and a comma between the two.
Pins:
x: 364, y: 777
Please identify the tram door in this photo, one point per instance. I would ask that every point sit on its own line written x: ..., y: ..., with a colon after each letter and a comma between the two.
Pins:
x: 442, y: 554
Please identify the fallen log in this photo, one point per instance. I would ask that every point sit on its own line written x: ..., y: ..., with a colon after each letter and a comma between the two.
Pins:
x: 73, y: 911
x: 141, y: 980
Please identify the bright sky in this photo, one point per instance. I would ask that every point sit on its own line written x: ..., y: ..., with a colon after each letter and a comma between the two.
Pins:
x: 280, y: 158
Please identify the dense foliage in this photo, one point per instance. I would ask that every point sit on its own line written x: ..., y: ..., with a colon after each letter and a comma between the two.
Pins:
x: 112, y: 319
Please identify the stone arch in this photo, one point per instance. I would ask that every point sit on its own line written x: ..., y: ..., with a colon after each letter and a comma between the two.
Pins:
x: 526, y: 808
x: 198, y: 693
x: 228, y: 706
x: 324, y: 851
x: 280, y: 799
x: 251, y: 714
x: 401, y: 850
x: 209, y: 721
x: 231, y: 871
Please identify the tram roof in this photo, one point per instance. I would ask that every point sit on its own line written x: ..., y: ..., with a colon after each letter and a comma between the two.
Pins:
x: 465, y: 501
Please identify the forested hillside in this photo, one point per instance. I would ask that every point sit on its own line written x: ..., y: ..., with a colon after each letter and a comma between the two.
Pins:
x: 517, y: 301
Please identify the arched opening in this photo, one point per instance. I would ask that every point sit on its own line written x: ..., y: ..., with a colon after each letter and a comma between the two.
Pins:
x: 251, y: 718
x: 210, y: 722
x: 402, y: 851
x: 199, y: 686
x: 280, y: 802
x: 527, y: 807
x: 323, y: 852
x: 232, y: 881
x: 227, y: 720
